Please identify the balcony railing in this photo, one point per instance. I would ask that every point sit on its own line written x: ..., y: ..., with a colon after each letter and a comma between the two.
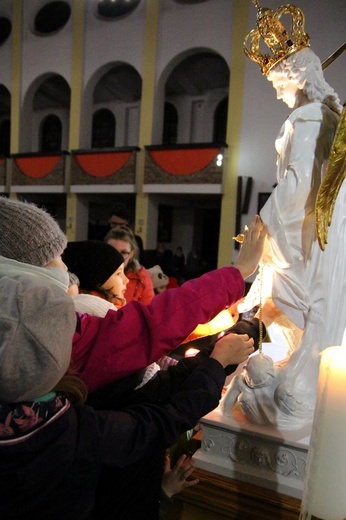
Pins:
x: 190, y: 168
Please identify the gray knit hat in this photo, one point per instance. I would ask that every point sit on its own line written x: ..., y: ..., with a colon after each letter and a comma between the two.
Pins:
x: 37, y: 323
x: 29, y: 234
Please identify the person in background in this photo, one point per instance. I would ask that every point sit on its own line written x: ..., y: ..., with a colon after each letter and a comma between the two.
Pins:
x: 179, y: 265
x: 120, y: 216
x: 140, y: 287
x: 161, y: 256
x: 160, y: 252
x: 193, y: 264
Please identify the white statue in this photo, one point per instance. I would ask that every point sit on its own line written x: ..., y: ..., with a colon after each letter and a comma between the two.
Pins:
x: 266, y: 395
x: 306, y: 284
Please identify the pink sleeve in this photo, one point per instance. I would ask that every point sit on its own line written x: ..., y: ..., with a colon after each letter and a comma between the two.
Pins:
x: 110, y: 348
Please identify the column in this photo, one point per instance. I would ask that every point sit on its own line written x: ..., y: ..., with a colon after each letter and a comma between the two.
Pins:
x: 72, y: 203
x: 146, y: 113
x: 234, y: 119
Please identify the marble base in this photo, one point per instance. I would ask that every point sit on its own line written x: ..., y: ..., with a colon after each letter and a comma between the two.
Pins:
x: 263, y: 456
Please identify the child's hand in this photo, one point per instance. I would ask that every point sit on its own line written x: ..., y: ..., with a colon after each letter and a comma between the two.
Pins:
x: 252, y: 248
x: 175, y: 479
x: 233, y: 349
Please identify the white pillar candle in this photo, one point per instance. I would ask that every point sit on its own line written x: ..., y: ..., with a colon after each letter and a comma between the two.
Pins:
x: 324, y: 494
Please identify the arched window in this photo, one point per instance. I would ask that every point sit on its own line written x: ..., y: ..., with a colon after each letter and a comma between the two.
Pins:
x: 170, y: 124
x: 5, y: 135
x: 103, y: 129
x: 51, y: 134
x: 52, y: 17
x: 111, y: 9
x: 5, y: 29
x: 220, y: 122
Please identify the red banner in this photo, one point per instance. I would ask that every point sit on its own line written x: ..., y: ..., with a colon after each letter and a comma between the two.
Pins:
x: 37, y: 167
x: 183, y: 162
x: 102, y: 164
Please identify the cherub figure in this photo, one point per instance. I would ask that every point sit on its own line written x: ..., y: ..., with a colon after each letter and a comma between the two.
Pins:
x: 264, y: 395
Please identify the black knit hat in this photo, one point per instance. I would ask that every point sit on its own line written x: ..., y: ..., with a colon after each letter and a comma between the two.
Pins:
x: 92, y: 261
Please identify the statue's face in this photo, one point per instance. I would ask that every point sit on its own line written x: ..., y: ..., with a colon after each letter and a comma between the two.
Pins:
x: 286, y: 89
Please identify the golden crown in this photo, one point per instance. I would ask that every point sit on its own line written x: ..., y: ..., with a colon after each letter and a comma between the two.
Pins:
x: 280, y: 42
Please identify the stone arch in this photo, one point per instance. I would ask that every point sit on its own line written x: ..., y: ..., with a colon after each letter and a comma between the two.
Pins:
x: 48, y: 94
x: 196, y: 74
x: 114, y: 86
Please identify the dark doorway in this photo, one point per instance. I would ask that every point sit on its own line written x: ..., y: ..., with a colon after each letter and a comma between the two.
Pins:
x: 220, y: 122
x: 210, y: 237
x: 170, y: 124
x: 5, y: 137
x: 103, y: 129
x: 51, y: 134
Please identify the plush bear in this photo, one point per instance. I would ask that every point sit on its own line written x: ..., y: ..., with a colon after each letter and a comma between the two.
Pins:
x: 159, y: 278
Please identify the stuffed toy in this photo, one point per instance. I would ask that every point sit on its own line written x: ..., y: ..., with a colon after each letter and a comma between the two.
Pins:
x: 159, y: 278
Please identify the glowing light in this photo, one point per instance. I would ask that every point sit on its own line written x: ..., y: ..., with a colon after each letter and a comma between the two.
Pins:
x: 219, y: 159
x: 191, y: 352
x: 222, y: 321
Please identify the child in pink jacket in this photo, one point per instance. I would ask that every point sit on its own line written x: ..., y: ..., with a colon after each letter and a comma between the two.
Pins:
x: 107, y: 349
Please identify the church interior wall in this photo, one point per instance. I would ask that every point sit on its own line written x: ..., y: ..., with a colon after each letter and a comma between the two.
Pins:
x: 107, y: 41
x: 197, y: 26
x: 184, y: 29
x: 44, y: 53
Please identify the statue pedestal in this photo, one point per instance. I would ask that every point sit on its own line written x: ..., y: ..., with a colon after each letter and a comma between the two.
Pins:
x: 259, y: 455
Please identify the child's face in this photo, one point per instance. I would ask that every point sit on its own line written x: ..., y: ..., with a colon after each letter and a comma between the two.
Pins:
x: 116, y: 284
x: 57, y: 262
x: 73, y: 290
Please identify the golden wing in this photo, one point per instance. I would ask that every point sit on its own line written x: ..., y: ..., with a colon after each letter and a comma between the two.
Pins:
x: 332, y: 181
